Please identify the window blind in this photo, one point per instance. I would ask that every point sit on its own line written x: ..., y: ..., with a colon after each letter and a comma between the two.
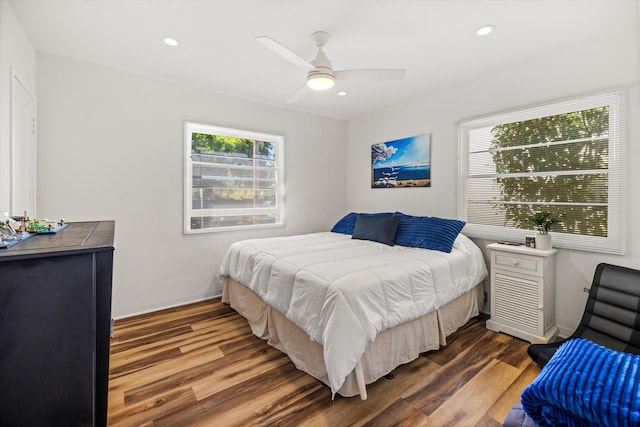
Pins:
x: 566, y: 158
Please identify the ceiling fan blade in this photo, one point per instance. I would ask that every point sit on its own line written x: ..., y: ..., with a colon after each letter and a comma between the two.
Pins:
x: 298, y: 95
x: 370, y: 75
x: 284, y: 52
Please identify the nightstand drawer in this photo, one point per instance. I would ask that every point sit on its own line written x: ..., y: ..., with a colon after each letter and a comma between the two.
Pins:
x: 518, y: 263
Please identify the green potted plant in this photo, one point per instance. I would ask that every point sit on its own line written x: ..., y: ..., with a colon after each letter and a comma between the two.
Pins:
x: 543, y: 221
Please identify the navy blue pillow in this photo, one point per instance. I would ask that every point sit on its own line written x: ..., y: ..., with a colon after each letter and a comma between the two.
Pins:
x: 428, y: 232
x: 376, y: 228
x: 347, y: 223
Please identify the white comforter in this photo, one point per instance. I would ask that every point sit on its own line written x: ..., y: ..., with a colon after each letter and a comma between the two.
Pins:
x: 343, y: 292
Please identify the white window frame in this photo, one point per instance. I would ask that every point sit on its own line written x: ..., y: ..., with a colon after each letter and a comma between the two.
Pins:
x: 615, y: 241
x: 278, y: 209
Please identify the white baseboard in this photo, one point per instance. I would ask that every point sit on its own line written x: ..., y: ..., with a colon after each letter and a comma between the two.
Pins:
x: 166, y: 304
x: 564, y: 332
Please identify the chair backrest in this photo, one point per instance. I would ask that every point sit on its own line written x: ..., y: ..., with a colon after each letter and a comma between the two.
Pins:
x: 612, y: 314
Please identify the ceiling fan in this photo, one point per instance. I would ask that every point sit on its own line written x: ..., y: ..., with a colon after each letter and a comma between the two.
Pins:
x: 321, y: 75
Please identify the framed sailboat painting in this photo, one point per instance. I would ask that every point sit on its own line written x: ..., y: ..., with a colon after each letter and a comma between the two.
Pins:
x: 402, y: 163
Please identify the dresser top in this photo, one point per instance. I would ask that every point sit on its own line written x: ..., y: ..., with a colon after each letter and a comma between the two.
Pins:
x: 78, y: 237
x: 521, y: 249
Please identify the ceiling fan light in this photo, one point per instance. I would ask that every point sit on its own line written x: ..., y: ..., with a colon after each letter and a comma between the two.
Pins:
x: 321, y: 81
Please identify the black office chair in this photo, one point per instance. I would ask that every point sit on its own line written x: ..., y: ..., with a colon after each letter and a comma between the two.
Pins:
x: 611, y: 317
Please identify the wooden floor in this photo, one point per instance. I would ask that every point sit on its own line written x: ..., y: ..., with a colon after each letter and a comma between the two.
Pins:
x: 199, y: 365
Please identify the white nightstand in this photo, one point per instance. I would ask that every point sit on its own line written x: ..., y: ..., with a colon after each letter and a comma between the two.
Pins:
x: 522, y: 292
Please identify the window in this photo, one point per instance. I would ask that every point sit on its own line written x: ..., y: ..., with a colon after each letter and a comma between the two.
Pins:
x: 233, y: 179
x: 565, y: 158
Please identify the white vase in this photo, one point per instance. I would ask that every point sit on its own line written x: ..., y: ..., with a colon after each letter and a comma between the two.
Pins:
x: 543, y: 241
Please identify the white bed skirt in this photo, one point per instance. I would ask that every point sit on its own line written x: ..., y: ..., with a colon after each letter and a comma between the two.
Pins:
x: 391, y: 348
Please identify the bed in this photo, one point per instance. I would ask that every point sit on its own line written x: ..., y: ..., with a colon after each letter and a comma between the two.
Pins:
x: 348, y: 310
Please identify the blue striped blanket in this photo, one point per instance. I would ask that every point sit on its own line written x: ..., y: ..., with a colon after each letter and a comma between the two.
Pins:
x: 585, y: 384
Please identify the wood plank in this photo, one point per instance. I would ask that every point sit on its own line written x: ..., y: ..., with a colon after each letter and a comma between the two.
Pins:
x: 147, y: 412
x: 456, y: 343
x: 353, y: 411
x: 455, y: 374
x: 511, y: 396
x: 476, y: 396
x: 516, y: 353
x: 184, y: 342
x: 286, y: 386
x: 244, y: 368
x: 155, y: 373
x: 486, y: 421
x: 145, y: 361
x: 199, y: 365
x: 125, y: 326
x: 214, y: 372
x: 399, y: 413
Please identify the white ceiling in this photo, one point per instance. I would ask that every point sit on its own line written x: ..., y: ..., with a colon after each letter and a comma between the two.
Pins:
x: 434, y: 40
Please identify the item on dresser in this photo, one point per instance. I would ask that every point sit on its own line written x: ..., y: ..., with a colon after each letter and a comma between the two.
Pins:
x: 10, y: 237
x: 7, y: 229
x: 530, y: 242
x: 506, y: 242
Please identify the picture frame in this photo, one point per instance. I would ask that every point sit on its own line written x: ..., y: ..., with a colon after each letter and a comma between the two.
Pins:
x: 401, y: 163
x: 530, y: 242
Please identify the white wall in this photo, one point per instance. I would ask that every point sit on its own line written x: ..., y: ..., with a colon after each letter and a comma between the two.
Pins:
x: 111, y: 147
x: 17, y: 56
x: 608, y: 64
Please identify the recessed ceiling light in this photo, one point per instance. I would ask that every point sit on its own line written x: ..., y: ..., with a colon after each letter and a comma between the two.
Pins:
x: 483, y: 31
x: 170, y: 41
x: 342, y: 93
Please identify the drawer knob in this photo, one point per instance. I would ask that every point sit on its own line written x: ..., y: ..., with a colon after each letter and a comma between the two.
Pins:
x: 516, y: 263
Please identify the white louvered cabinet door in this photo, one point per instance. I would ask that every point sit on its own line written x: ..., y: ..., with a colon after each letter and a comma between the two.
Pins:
x: 522, y: 292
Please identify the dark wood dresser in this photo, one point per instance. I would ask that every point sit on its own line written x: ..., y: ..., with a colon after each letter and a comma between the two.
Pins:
x: 55, y: 323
